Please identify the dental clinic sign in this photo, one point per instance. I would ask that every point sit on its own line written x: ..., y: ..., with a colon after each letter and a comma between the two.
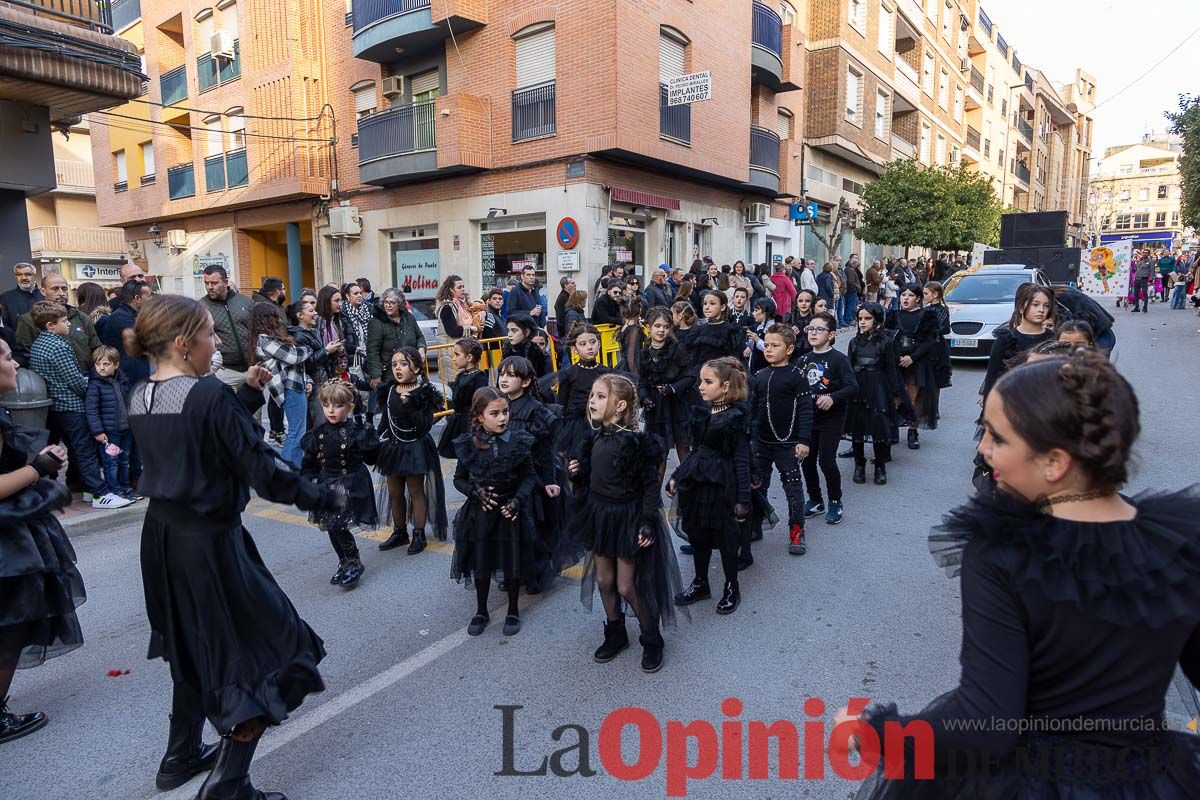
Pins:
x: 687, y: 89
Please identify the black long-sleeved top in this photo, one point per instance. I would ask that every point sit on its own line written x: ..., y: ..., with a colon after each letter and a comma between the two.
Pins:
x: 716, y: 439
x: 829, y: 373
x: 528, y: 351
x: 664, y: 366
x: 505, y: 466
x: 919, y: 323
x: 530, y: 415
x: 606, y: 311
x: 622, y: 466
x: 781, y: 406
x: 1008, y: 344
x: 407, y: 418
x: 463, y: 391
x: 714, y: 340
x: 344, y: 447
x: 574, y: 386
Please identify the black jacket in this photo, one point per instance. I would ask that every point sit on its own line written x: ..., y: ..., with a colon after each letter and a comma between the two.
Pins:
x: 606, y: 311
x: 112, y: 335
x: 658, y: 296
x: 17, y: 303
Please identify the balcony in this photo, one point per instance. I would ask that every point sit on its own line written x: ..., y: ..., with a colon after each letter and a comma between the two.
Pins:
x: 426, y: 139
x: 384, y: 27
x: 125, y: 13
x: 985, y: 22
x: 534, y: 112
x: 59, y: 242
x: 977, y: 80
x: 1026, y: 130
x: 906, y: 84
x: 764, y: 159
x: 1022, y: 172
x: 974, y: 138
x: 173, y: 85
x: 93, y: 16
x: 766, y: 52
x: 212, y: 72
x: 181, y: 182
x: 674, y: 122
x: 903, y: 147
x: 74, y: 177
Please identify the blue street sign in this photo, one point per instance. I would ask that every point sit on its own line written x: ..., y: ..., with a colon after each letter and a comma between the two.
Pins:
x: 802, y: 212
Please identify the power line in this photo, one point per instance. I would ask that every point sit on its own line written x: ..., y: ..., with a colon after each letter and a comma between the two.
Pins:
x: 1153, y: 67
x: 226, y: 114
x: 179, y: 126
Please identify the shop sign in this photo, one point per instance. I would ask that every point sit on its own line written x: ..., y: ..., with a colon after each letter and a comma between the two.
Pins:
x: 201, y: 263
x: 97, y: 272
x: 520, y: 264
x: 568, y: 260
x: 687, y: 89
x: 417, y: 272
x: 623, y: 256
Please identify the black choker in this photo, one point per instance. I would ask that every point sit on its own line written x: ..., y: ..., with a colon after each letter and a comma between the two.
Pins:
x: 717, y: 408
x: 1095, y: 494
x: 586, y: 364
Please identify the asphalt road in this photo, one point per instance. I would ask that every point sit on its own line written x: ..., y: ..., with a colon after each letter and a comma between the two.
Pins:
x: 409, y: 708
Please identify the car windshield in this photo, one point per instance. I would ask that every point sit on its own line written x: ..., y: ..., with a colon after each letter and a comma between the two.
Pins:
x: 421, y: 309
x: 984, y: 288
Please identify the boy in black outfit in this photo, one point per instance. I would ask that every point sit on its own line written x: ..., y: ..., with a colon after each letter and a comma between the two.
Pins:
x: 781, y: 420
x: 832, y: 383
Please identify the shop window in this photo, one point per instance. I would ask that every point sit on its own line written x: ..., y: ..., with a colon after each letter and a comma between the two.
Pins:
x: 416, y: 266
x: 507, y: 244
x: 627, y: 243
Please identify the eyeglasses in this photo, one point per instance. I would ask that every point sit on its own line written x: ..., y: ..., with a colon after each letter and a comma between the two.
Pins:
x: 815, y: 329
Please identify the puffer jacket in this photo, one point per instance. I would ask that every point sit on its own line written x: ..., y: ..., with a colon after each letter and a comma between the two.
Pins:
x: 231, y: 323
x: 385, y: 336
x: 104, y: 405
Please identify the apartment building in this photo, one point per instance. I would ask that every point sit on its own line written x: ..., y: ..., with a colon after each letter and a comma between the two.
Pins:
x: 58, y: 61
x: 404, y: 140
x: 1135, y: 192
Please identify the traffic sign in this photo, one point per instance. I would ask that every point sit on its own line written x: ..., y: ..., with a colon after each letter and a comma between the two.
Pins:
x: 568, y: 233
x: 802, y: 212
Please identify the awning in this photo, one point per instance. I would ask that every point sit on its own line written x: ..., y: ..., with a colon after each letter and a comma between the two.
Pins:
x: 644, y: 198
x: 1142, y: 236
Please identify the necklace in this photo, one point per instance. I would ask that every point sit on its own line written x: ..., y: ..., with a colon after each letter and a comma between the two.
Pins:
x: 405, y: 388
x: 717, y: 408
x: 771, y: 418
x: 1046, y: 502
x: 586, y: 364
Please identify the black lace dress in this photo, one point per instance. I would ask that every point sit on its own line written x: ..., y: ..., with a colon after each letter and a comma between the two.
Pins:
x: 667, y: 414
x: 40, y: 588
x: 406, y: 448
x: 217, y: 616
x: 916, y: 337
x: 462, y: 391
x: 339, y: 455
x: 486, y: 544
x: 714, y: 478
x: 1073, y: 629
x: 529, y: 415
x: 872, y: 415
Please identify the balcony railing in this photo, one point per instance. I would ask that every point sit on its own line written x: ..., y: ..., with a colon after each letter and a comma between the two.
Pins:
x: 764, y: 150
x: 120, y: 186
x: 147, y: 180
x: 674, y: 122
x: 767, y: 31
x: 1021, y: 171
x: 973, y: 138
x: 51, y: 239
x: 214, y: 173
x: 976, y: 80
x: 408, y: 128
x: 212, y: 72
x: 181, y: 182
x: 533, y: 112
x: 173, y: 85
x: 125, y: 13
x: 237, y: 172
x: 1028, y: 81
x: 985, y: 22
x: 902, y: 145
x: 89, y: 14
x: 368, y: 12
x: 74, y: 174
x: 1016, y: 64
x: 1001, y: 45
x: 1025, y: 129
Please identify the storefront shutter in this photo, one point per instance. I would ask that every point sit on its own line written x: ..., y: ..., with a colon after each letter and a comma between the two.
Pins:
x: 425, y: 82
x: 536, y: 58
x: 671, y: 58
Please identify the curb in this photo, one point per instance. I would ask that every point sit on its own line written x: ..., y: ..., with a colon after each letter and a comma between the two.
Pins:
x: 103, y: 521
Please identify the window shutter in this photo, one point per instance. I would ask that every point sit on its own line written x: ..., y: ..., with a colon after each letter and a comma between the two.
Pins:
x: 121, y: 174
x: 536, y: 58
x: 214, y: 137
x: 364, y: 99
x: 229, y: 19
x: 671, y: 58
x: 783, y: 126
x: 147, y: 158
x: 425, y: 82
x: 206, y: 34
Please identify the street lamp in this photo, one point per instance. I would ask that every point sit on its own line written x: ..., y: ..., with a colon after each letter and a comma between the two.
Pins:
x: 156, y: 234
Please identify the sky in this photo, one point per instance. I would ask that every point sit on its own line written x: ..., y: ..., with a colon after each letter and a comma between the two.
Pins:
x: 1115, y: 42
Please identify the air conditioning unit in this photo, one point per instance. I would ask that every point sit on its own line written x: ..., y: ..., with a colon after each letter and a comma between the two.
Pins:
x: 135, y: 251
x: 756, y: 215
x: 221, y: 45
x: 177, y: 239
x: 344, y: 221
x: 393, y: 86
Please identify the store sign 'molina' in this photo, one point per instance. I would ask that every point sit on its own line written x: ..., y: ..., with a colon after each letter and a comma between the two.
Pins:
x: 692, y: 88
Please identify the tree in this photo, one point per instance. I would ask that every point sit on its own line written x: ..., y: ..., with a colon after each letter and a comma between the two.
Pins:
x: 844, y: 219
x: 1185, y: 123
x: 973, y: 213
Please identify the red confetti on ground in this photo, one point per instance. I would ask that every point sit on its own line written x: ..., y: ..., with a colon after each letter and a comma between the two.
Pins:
x: 116, y: 673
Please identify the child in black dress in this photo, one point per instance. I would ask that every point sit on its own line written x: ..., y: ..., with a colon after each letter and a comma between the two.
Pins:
x: 664, y: 384
x: 831, y: 382
x: 336, y: 454
x: 618, y: 523
x: 528, y: 414
x: 934, y: 297
x: 715, y: 337
x: 683, y: 317
x: 574, y: 386
x: 872, y: 416
x: 493, y: 532
x: 916, y: 336
x: 631, y: 337
x: 764, y: 318
x: 521, y: 330
x: 800, y: 318
x: 408, y: 458
x: 464, y: 357
x: 713, y: 482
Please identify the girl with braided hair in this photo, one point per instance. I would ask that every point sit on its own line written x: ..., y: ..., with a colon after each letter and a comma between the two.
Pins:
x: 1078, y: 602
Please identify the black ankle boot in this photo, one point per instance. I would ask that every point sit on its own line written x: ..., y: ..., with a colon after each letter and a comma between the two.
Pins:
x: 399, y: 537
x: 730, y: 598
x: 860, y: 473
x: 418, y: 541
x: 914, y: 439
x: 652, y: 649
x: 698, y: 590
x: 616, y: 639
x: 14, y: 726
x: 230, y: 776
x: 880, y: 475
x: 187, y: 754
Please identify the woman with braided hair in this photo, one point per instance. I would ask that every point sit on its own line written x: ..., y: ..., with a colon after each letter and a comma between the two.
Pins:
x: 1078, y: 602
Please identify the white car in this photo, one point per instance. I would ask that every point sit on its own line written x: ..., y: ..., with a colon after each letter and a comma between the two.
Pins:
x: 981, y: 300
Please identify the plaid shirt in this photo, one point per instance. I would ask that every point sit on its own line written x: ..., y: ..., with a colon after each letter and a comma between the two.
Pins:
x: 286, y: 362
x: 51, y: 357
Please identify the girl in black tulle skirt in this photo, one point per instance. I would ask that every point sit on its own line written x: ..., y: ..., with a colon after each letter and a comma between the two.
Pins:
x: 1078, y: 603
x: 493, y: 531
x: 617, y: 525
x: 337, y: 454
x: 574, y: 387
x: 664, y: 385
x: 464, y: 357
x: 39, y: 584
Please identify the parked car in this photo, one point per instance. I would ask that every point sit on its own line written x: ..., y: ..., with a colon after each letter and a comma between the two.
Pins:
x: 981, y: 300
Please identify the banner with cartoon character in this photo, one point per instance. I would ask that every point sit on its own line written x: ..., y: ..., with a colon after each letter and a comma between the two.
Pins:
x: 1105, y: 270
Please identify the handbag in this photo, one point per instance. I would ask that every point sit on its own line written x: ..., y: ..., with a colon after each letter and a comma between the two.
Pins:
x: 906, y: 344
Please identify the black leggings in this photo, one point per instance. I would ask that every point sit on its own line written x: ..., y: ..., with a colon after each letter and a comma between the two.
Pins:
x: 343, y: 543
x: 701, y: 556
x: 882, y: 452
x: 823, y: 451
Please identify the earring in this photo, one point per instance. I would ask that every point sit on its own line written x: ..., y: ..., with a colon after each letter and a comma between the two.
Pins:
x: 185, y: 355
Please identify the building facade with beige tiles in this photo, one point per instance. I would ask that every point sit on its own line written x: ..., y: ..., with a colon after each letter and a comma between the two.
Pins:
x: 1135, y: 194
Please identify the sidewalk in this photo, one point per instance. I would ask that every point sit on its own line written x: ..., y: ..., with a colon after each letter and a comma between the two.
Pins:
x: 80, y: 519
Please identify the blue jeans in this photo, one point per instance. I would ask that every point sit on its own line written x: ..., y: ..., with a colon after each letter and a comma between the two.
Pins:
x: 1177, y: 295
x: 849, y: 308
x: 116, y: 468
x: 72, y: 427
x: 295, y: 411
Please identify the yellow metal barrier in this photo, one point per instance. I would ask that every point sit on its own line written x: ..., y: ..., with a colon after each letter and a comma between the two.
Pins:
x: 610, y: 348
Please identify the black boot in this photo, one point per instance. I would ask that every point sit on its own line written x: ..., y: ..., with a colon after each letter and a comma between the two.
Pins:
x: 354, y: 571
x: 730, y: 598
x: 616, y: 639
x: 230, y: 776
x: 652, y: 649
x: 914, y: 440
x: 418, y: 541
x: 880, y: 474
x: 399, y: 536
x: 698, y: 590
x: 860, y: 473
x: 187, y: 755
x: 14, y: 726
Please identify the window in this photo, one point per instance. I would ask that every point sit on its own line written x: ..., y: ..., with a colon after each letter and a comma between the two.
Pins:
x: 787, y: 13
x: 882, y: 114
x: 944, y: 91
x: 674, y: 122
x: 229, y: 17
x: 926, y: 134
x: 147, y: 158
x: 425, y: 85
x: 1127, y: 169
x: 1141, y: 220
x: 854, y: 91
x: 672, y: 56
x: 1123, y: 222
x: 947, y: 15
x: 1160, y: 219
x: 1174, y: 219
x: 927, y: 74
x: 887, y: 30
x: 535, y: 55
x: 1125, y: 195
x: 858, y: 15
x: 214, y: 136
x: 364, y: 98
x: 1162, y: 191
x: 941, y: 150
x: 783, y: 125
x: 206, y: 24
x: 958, y: 103
x: 1143, y: 194
x: 1004, y: 108
x: 119, y: 158
x: 533, y: 102
x: 237, y: 129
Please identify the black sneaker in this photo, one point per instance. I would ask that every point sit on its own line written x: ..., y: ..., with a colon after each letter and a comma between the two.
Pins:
x: 353, y: 573
x: 14, y: 726
x: 812, y: 509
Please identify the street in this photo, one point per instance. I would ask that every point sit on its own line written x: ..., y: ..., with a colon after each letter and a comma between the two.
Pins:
x: 410, y: 704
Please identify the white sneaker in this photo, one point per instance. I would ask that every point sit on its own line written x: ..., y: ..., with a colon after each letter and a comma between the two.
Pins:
x: 87, y: 497
x: 110, y: 501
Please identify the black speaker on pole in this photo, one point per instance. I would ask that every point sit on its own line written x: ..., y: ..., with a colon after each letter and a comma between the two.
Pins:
x: 1035, y: 229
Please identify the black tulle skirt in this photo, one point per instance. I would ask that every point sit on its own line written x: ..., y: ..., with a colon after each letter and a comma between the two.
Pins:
x: 705, y: 497
x: 40, y: 588
x: 408, y: 458
x: 222, y: 623
x: 360, y: 513
x: 486, y: 545
x: 456, y: 425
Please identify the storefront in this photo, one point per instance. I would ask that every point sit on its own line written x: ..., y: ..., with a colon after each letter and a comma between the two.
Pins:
x: 1149, y: 239
x: 508, y: 244
x: 415, y: 261
x: 627, y: 242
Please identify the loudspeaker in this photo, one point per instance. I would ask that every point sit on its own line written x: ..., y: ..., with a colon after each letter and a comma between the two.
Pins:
x: 1061, y: 264
x: 1029, y: 256
x: 1035, y: 229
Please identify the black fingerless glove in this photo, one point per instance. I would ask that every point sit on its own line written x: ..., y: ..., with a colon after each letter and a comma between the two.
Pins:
x: 511, y: 507
x: 646, y: 531
x: 47, y: 466
x: 741, y: 512
x: 481, y: 493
